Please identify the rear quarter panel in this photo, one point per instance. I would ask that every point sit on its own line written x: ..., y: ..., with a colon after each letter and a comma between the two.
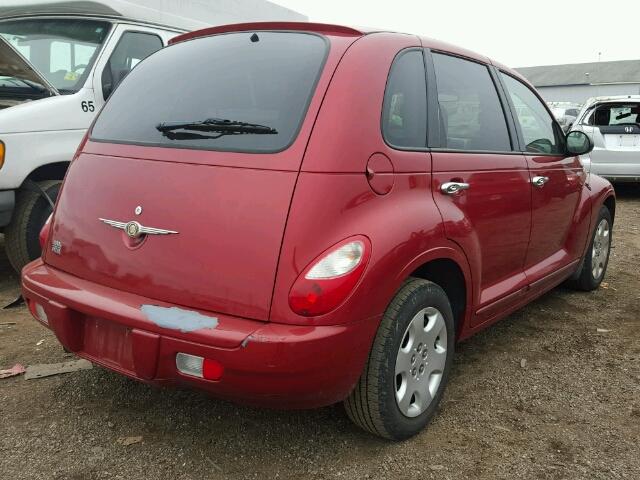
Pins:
x: 333, y: 199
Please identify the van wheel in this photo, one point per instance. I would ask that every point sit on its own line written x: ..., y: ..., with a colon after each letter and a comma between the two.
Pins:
x: 21, y: 235
x: 408, y: 367
x: 595, y: 262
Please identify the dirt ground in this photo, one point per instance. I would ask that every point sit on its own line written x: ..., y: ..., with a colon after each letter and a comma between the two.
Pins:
x: 552, y: 392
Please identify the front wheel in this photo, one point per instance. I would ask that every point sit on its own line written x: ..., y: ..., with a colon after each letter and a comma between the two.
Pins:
x: 596, y: 260
x: 22, y: 240
x: 408, y: 367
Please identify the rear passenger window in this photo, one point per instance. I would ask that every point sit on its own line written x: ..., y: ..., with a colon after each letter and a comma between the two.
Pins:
x: 471, y: 115
x: 404, y: 114
x: 536, y: 123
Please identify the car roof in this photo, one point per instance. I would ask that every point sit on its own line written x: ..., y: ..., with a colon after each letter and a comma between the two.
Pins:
x: 613, y: 99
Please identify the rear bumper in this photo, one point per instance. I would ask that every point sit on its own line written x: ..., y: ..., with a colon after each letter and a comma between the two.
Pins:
x: 265, y: 364
x: 7, y: 204
x: 616, y: 165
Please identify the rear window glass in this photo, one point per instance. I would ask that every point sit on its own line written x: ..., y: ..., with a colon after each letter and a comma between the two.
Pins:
x: 203, y: 93
x: 610, y: 115
x: 404, y: 118
x: 471, y: 114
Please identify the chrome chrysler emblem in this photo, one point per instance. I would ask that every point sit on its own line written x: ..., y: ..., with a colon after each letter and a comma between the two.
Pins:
x: 134, y: 230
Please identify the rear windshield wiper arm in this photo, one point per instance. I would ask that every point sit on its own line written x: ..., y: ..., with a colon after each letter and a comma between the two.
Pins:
x: 218, y: 125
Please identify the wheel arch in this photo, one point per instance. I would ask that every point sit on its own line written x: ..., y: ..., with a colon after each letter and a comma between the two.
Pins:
x: 448, y: 268
x: 49, y: 171
x: 610, y: 203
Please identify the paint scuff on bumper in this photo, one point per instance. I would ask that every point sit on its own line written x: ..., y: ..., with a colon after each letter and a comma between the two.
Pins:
x: 175, y: 318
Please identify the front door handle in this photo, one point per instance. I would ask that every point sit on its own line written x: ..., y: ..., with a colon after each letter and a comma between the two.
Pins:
x: 451, y: 188
x: 539, y: 181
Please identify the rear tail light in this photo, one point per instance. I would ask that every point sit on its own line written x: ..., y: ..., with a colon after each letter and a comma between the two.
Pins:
x: 1, y: 154
x: 200, y: 367
x: 44, y: 232
x: 329, y: 280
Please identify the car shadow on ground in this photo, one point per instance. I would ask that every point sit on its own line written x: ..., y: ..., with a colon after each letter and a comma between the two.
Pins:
x: 627, y: 190
x: 157, y: 413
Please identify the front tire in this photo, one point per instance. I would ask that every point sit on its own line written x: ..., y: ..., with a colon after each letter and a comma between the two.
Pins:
x: 408, y: 368
x: 22, y: 234
x: 596, y: 259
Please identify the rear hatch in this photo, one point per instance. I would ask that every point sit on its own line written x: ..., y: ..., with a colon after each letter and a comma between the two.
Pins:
x: 201, y: 143
x: 621, y: 137
x: 616, y: 133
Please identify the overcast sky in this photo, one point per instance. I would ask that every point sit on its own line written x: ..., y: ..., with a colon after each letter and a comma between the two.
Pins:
x: 517, y: 33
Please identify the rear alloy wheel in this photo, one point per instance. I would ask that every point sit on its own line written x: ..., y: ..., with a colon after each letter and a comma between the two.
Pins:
x: 22, y: 240
x: 408, y: 367
x: 594, y: 264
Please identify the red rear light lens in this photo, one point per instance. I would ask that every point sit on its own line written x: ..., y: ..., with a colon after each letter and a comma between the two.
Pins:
x: 200, y: 367
x: 329, y: 280
x: 212, y: 370
x: 44, y: 233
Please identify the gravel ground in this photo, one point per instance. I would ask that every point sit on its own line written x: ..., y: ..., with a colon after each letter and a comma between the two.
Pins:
x: 552, y: 392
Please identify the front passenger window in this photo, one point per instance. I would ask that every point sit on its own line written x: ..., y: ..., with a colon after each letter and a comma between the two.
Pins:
x: 132, y: 48
x: 536, y: 123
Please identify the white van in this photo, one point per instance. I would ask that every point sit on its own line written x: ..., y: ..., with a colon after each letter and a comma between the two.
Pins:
x: 59, y: 62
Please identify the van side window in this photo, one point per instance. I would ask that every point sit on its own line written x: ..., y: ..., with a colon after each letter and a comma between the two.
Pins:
x: 132, y: 48
x: 536, y: 123
x: 404, y: 111
x: 471, y: 115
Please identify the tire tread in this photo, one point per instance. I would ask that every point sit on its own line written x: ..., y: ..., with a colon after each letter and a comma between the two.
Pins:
x: 17, y: 231
x: 363, y: 406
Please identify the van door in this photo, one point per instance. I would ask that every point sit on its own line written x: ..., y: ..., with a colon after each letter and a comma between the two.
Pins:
x: 480, y: 185
x: 557, y: 182
x: 128, y: 46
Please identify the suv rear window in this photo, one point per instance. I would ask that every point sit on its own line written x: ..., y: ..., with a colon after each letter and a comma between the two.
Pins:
x: 263, y: 78
x: 614, y: 114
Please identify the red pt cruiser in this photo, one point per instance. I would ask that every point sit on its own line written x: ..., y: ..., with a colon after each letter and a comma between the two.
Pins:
x: 293, y: 215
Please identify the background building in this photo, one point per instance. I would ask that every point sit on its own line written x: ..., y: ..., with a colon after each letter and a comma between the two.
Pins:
x: 579, y: 81
x: 183, y: 14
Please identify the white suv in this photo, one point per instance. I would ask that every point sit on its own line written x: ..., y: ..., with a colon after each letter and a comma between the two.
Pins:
x: 613, y: 123
x: 56, y: 71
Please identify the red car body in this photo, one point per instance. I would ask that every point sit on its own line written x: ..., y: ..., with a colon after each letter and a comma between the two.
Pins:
x: 250, y: 224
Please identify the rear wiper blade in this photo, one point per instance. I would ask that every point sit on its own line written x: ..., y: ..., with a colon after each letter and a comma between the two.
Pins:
x: 221, y: 125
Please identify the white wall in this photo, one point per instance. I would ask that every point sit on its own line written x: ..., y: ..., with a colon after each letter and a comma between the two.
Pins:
x: 580, y: 93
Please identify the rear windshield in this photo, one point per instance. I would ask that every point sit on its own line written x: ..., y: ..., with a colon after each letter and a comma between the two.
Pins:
x: 245, y: 92
x: 614, y: 114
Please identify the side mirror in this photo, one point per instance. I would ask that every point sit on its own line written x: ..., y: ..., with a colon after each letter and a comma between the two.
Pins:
x: 578, y: 143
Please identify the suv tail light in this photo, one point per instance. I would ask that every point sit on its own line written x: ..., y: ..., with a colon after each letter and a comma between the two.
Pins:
x: 44, y: 233
x: 329, y: 279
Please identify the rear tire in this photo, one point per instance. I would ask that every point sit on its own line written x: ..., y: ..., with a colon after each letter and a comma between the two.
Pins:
x: 596, y: 259
x: 408, y: 368
x: 22, y: 234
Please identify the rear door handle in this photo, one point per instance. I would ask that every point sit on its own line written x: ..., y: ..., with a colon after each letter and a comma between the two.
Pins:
x: 451, y: 188
x: 539, y: 181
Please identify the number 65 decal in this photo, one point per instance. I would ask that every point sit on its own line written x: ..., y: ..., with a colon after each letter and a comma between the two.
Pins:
x: 87, y: 106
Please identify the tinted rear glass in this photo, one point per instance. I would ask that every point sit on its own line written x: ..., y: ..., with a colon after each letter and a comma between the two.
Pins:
x: 471, y: 114
x: 265, y: 78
